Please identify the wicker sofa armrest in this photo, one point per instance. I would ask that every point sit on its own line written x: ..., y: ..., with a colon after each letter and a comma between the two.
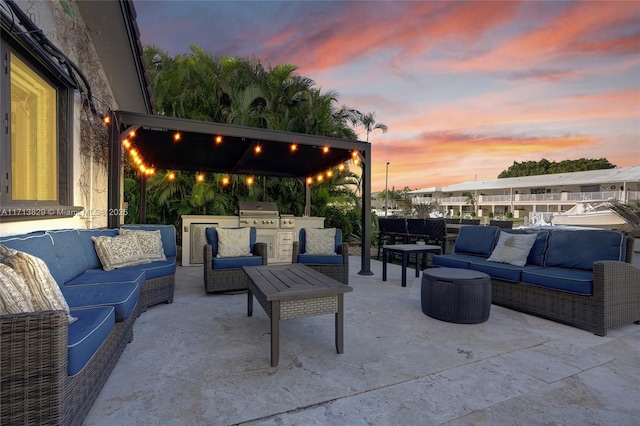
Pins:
x: 295, y: 252
x: 33, y: 367
x: 260, y: 249
x: 344, y: 251
x: 616, y: 285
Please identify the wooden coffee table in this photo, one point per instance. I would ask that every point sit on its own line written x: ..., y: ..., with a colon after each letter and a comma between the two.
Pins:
x: 293, y: 291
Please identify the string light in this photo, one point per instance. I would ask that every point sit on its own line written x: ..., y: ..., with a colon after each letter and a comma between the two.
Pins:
x: 132, y: 134
x: 320, y: 178
x: 325, y: 149
x: 106, y: 119
x: 294, y: 147
x: 171, y: 176
x: 309, y: 181
x: 177, y: 136
x: 258, y: 149
x: 200, y: 177
x: 218, y: 139
x: 250, y: 180
x: 341, y: 167
x: 329, y: 173
x: 225, y: 180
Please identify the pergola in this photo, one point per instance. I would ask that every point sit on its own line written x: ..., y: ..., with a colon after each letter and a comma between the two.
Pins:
x: 189, y: 145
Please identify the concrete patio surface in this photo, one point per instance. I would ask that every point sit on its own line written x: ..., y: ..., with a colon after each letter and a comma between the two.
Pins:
x: 202, y: 361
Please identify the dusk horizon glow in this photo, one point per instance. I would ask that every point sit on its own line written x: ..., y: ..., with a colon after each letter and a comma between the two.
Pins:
x: 465, y: 88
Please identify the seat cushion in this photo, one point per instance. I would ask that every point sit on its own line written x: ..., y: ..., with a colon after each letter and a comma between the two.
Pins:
x: 87, y: 334
x: 235, y: 262
x: 503, y: 271
x: 156, y: 269
x: 572, y: 280
x: 122, y: 296
x: 320, y: 259
x: 454, y: 260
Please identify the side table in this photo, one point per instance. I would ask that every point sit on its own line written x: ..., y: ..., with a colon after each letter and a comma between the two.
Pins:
x: 456, y: 295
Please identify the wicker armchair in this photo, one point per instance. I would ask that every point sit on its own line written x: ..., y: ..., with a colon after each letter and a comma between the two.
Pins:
x: 335, y: 266
x: 226, y: 274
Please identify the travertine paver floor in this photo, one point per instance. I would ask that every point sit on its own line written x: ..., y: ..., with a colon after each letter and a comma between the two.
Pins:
x: 202, y: 361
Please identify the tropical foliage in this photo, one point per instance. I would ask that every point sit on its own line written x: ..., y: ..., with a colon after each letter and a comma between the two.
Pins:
x: 243, y: 92
x: 545, y: 167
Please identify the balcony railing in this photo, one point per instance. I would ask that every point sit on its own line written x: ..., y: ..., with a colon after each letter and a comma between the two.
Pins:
x: 547, y: 198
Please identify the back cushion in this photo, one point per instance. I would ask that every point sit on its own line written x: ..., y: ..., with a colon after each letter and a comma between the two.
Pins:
x: 39, y: 245
x: 93, y: 261
x: 536, y: 255
x: 302, y: 239
x: 579, y: 248
x: 212, y: 238
x: 70, y: 253
x: 167, y: 233
x: 478, y: 240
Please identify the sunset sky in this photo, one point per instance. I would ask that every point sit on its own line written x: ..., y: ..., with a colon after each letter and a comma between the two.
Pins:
x: 465, y: 88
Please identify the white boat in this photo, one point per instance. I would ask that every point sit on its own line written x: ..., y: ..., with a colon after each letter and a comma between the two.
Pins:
x: 589, y: 215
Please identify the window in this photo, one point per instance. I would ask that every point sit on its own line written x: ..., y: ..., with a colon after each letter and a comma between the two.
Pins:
x: 35, y: 151
x: 33, y: 135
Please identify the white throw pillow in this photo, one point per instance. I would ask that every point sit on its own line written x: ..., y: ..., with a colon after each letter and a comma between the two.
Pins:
x: 15, y: 297
x: 513, y: 248
x: 150, y: 242
x: 234, y: 242
x: 320, y: 241
x: 44, y: 290
x: 119, y: 251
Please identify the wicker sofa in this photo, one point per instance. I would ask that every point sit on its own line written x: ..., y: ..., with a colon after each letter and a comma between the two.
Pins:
x: 51, y: 371
x: 580, y: 277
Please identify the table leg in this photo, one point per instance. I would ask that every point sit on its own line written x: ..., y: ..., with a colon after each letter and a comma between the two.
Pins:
x: 384, y: 264
x: 418, y: 262
x: 340, y: 324
x: 249, y: 302
x: 405, y: 260
x: 275, y: 333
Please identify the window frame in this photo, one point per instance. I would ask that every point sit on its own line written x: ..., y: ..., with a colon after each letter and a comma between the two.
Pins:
x: 18, y: 210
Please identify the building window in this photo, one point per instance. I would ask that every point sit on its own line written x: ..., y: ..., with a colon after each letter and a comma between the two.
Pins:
x: 33, y: 135
x: 36, y: 161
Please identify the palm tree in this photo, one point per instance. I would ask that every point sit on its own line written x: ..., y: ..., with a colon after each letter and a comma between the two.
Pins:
x: 369, y: 123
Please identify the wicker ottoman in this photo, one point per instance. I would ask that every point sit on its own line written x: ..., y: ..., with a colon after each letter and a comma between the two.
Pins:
x: 456, y: 295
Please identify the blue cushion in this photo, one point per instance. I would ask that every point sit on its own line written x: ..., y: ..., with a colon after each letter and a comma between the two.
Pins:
x: 235, y: 262
x: 454, y: 260
x: 93, y: 261
x: 39, y: 245
x: 479, y: 240
x: 503, y: 271
x: 580, y: 248
x: 87, y: 334
x: 157, y: 269
x: 320, y: 259
x: 212, y: 238
x: 122, y: 296
x: 100, y: 276
x: 536, y: 255
x: 302, y: 237
x: 167, y: 234
x: 69, y: 252
x: 573, y: 280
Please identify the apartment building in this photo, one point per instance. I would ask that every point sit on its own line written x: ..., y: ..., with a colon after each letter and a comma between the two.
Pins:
x: 527, y: 197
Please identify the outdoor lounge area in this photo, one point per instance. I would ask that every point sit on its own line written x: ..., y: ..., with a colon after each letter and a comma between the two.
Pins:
x: 202, y: 360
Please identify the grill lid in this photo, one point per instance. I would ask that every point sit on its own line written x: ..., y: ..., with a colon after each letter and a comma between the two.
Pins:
x: 257, y: 208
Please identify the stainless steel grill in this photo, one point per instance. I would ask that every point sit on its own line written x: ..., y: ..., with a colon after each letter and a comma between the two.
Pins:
x: 263, y: 215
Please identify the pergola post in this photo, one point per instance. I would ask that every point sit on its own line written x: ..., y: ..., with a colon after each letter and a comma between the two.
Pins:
x: 365, y: 247
x: 115, y: 165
